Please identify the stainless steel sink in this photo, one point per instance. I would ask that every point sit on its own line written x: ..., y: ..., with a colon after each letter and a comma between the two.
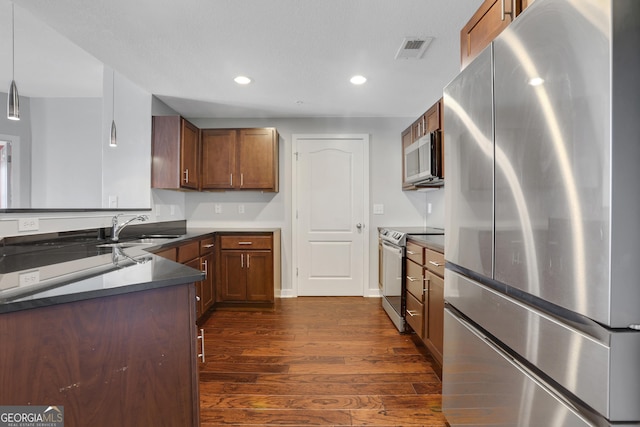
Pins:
x: 128, y: 244
x: 137, y: 242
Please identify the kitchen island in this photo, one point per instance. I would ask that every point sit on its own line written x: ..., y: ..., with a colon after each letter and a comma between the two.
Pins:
x: 111, y: 337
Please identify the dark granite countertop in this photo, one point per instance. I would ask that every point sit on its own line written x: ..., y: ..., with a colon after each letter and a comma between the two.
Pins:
x: 76, y: 267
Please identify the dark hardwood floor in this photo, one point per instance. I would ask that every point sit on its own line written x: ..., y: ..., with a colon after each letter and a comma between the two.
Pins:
x: 319, y: 361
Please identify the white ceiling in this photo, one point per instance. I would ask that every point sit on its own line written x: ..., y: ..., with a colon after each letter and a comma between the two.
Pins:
x: 300, y: 53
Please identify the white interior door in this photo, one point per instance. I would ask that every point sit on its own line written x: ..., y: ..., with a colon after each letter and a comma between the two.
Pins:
x: 331, y: 195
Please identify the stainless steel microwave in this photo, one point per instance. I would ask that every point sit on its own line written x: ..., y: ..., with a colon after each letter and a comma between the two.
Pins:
x: 423, y: 161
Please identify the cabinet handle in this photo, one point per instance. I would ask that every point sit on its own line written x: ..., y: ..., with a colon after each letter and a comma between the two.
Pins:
x: 197, y: 298
x: 245, y: 243
x: 209, y: 246
x: 201, y: 338
x: 205, y: 265
x: 241, y: 179
x: 231, y: 175
x: 411, y: 252
x: 435, y: 263
x: 512, y: 14
x: 411, y: 279
x: 412, y: 313
x: 186, y: 176
x: 248, y: 260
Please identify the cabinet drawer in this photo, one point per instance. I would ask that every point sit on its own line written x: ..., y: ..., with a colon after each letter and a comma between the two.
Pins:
x: 188, y: 251
x: 246, y: 242
x: 434, y: 261
x: 415, y: 253
x: 415, y: 280
x: 414, y: 315
x: 207, y: 245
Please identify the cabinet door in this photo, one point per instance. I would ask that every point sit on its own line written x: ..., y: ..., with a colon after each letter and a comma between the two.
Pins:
x: 208, y: 284
x: 259, y: 271
x: 219, y: 159
x: 233, y: 285
x: 258, y: 159
x: 432, y: 117
x: 195, y: 263
x: 434, y: 318
x: 190, y: 171
x: 418, y: 129
x: 490, y: 19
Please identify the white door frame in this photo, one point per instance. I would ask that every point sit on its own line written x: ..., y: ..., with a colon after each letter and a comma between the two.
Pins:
x: 294, y: 204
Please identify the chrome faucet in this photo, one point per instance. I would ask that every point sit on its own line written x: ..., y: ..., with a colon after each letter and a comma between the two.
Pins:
x: 117, y: 228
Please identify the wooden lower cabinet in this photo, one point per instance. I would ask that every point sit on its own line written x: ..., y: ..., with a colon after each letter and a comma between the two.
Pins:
x: 434, y: 320
x: 124, y: 360
x: 200, y: 255
x: 424, y: 295
x: 246, y: 268
x: 240, y: 268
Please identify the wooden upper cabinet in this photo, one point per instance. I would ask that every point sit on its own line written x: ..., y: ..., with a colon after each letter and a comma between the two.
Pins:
x: 240, y: 159
x: 432, y: 117
x: 175, y: 153
x: 490, y: 19
x: 218, y: 158
x: 258, y: 159
x: 185, y: 157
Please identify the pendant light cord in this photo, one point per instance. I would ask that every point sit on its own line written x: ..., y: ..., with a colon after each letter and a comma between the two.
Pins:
x: 13, y: 42
x: 113, y: 95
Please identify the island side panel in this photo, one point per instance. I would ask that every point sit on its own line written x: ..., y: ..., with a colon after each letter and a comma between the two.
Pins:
x: 125, y: 360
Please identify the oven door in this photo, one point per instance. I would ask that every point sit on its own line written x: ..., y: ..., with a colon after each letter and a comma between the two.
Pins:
x: 392, y: 298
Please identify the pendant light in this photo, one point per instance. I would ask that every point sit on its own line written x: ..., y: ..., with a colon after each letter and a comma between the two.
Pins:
x: 113, y: 142
x: 13, y: 100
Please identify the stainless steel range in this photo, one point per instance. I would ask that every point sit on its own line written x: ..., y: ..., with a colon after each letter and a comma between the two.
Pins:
x: 393, y: 241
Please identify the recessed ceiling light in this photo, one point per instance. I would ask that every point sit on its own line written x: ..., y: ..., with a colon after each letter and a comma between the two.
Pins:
x: 358, y: 80
x: 242, y: 80
x: 536, y: 81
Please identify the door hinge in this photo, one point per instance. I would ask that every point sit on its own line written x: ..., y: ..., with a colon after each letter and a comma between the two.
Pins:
x: 296, y: 153
x: 296, y: 271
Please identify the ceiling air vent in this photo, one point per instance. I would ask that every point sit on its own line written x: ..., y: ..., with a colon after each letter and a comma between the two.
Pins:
x: 413, y: 47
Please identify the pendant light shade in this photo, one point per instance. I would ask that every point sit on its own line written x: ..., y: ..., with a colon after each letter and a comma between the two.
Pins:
x: 13, y: 102
x: 113, y: 141
x: 13, y: 99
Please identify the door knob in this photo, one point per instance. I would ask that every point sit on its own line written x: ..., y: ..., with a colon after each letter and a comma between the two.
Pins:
x: 359, y: 226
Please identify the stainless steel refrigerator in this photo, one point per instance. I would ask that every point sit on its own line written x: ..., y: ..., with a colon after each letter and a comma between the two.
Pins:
x: 542, y: 243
